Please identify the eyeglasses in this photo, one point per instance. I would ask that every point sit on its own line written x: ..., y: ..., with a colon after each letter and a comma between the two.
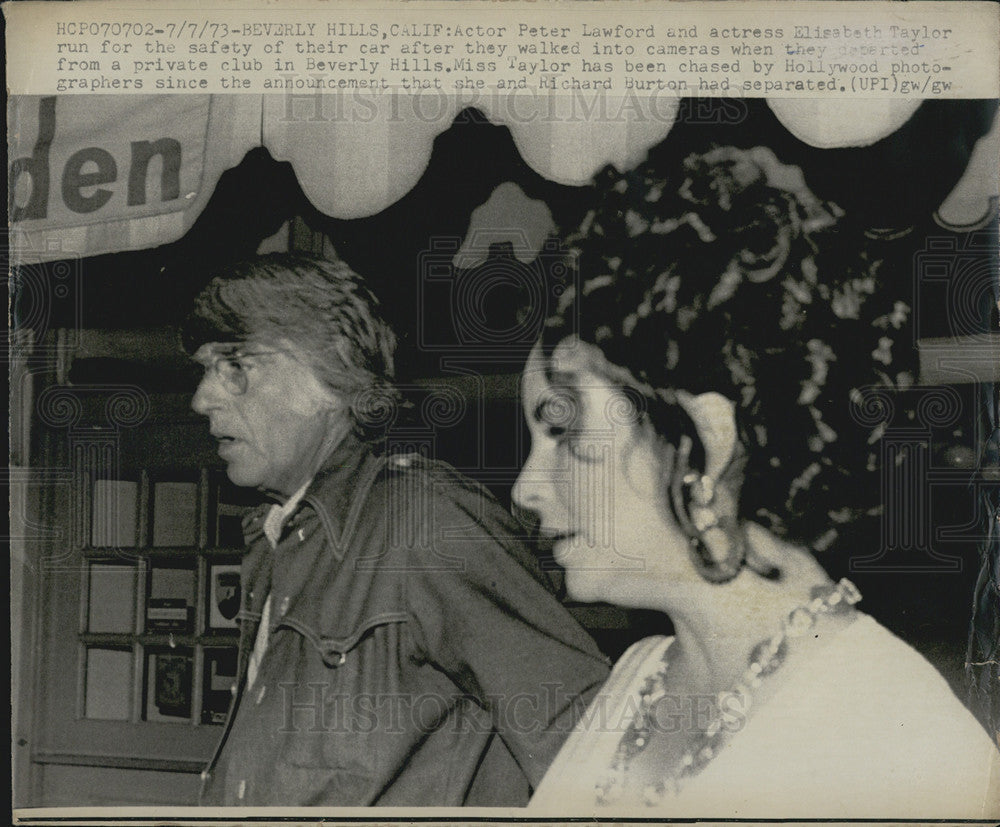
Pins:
x: 232, y: 368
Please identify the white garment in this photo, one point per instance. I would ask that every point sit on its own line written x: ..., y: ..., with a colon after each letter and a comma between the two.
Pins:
x: 275, y: 519
x: 863, y: 727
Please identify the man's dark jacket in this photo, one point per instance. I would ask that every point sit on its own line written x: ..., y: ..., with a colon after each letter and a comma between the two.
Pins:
x: 416, y: 654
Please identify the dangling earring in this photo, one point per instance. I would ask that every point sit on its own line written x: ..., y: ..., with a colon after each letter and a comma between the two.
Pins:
x: 716, y: 543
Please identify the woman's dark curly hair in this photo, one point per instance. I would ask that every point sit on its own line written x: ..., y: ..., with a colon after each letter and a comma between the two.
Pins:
x: 731, y: 276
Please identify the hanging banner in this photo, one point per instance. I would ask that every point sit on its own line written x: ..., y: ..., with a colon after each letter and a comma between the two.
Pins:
x: 88, y: 176
x: 73, y: 162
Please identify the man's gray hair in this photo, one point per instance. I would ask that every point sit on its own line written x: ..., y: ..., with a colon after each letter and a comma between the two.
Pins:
x: 322, y: 308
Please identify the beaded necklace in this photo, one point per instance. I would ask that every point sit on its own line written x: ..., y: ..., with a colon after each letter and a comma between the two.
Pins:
x: 765, y: 658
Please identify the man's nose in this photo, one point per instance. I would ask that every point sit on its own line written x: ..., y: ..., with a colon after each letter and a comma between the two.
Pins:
x: 207, y: 397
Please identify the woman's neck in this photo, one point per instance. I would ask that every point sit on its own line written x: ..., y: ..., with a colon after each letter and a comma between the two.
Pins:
x: 718, y: 625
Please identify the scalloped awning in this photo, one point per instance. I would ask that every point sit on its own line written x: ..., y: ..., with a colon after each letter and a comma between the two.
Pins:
x: 99, y: 175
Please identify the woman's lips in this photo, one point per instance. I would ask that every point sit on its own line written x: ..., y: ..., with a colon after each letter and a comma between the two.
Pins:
x: 558, y: 543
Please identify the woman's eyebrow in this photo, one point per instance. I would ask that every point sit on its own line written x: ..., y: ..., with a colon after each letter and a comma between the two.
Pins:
x: 565, y: 380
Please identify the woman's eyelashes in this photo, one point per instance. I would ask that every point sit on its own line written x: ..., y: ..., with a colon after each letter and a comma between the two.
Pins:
x: 559, y: 411
x: 556, y: 432
x: 573, y: 441
x: 563, y: 414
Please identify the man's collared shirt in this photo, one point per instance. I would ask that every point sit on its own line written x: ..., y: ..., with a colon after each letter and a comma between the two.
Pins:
x: 417, y: 655
x: 273, y: 523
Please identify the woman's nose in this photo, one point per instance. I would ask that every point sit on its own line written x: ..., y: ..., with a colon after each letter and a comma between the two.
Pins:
x: 527, y: 490
x: 525, y: 499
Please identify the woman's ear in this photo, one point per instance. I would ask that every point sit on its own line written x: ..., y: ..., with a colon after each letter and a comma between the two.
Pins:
x: 714, y: 417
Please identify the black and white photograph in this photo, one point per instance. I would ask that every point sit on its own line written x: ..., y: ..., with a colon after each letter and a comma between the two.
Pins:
x: 525, y: 411
x: 224, y: 596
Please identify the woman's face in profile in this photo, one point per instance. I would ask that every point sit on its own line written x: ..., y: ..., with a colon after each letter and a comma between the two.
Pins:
x: 593, y: 479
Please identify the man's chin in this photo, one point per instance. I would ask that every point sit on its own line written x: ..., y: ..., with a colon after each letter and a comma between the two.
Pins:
x: 242, y: 477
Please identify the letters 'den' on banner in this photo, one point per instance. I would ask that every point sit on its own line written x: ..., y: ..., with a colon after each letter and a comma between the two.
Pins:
x: 73, y: 162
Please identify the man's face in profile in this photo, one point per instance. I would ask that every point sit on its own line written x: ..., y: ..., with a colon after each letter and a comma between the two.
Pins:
x: 269, y: 413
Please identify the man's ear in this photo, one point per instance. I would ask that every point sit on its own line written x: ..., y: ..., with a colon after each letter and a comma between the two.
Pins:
x: 714, y: 416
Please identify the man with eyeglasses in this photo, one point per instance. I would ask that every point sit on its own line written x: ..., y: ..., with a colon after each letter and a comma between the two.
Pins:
x: 399, y: 645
